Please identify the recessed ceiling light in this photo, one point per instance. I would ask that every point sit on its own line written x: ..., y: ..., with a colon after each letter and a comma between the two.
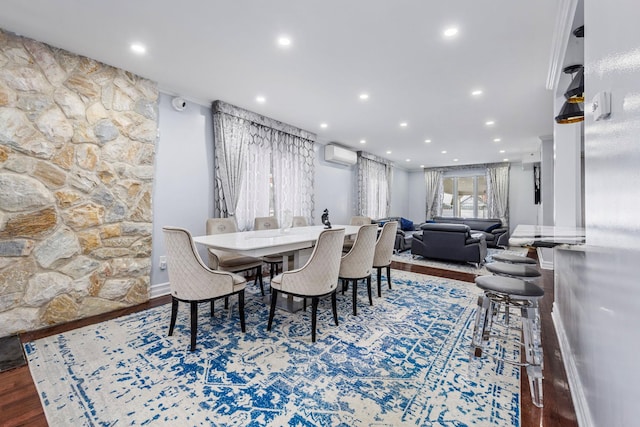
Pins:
x: 388, y: 151
x: 490, y: 123
x: 408, y: 160
x: 476, y: 92
x: 501, y: 151
x: 364, y: 96
x: 505, y: 160
x: 496, y: 140
x: 455, y: 160
x: 363, y: 141
x: 403, y: 124
x: 261, y: 99
x: 138, y: 48
x: 444, y: 151
x: 323, y: 125
x: 450, y: 32
x: 421, y: 166
x: 284, y: 41
x: 427, y: 141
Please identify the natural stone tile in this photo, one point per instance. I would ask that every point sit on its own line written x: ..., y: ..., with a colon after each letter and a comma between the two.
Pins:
x: 142, y: 211
x: 110, y: 253
x: 80, y: 266
x: 110, y: 231
x: 24, y: 79
x: 61, y: 309
x: 119, y: 242
x: 43, y: 287
x: 115, y: 289
x: 141, y: 248
x: 9, y: 300
x: 95, y: 282
x: 116, y: 213
x: 106, y: 173
x: 121, y: 101
x: 64, y: 157
x: 89, y: 240
x: 84, y: 216
x: 22, y: 193
x: 19, y: 319
x: 147, y: 108
x: 55, y: 125
x: 83, y: 132
x: 8, y: 97
x: 35, y: 146
x: 139, y: 292
x: 50, y: 175
x: 105, y: 131
x: 67, y: 198
x: 87, y: 89
x: 102, y: 196
x: 5, y: 152
x: 63, y: 244
x: 15, y: 277
x: 33, y: 224
x: 70, y: 103
x: 130, y: 266
x: 87, y: 156
x: 126, y: 84
x: 15, y: 247
x: 96, y: 112
x: 92, y: 306
x: 145, y: 132
x: 136, y: 228
x: 83, y: 180
x: 20, y: 163
x: 33, y: 104
x: 46, y: 61
x: 16, y: 127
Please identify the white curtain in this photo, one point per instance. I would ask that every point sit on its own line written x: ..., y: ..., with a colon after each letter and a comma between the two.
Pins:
x: 254, y: 198
x: 374, y: 187
x: 262, y: 167
x: 230, y: 142
x: 293, y: 170
x: 433, y: 183
x: 498, y: 188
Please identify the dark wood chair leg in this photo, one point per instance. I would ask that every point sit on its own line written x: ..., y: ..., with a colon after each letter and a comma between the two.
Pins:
x: 379, y: 271
x: 272, y: 311
x: 304, y: 304
x: 354, y: 297
x: 389, y: 275
x: 259, y: 278
x: 334, y: 307
x: 314, y: 312
x: 174, y: 315
x: 194, y: 324
x: 240, y: 309
x: 212, y: 306
x: 369, y: 289
x: 226, y: 303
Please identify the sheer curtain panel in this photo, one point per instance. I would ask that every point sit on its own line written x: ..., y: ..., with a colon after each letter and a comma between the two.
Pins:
x: 498, y: 188
x: 433, y: 182
x: 374, y: 186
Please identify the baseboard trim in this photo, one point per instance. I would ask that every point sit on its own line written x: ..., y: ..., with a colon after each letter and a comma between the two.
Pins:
x: 580, y: 403
x: 159, y: 289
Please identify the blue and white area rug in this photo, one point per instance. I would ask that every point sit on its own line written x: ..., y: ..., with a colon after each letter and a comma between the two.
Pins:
x: 464, y: 267
x: 402, y: 361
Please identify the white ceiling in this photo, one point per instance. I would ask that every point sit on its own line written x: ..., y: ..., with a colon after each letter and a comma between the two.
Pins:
x: 393, y: 50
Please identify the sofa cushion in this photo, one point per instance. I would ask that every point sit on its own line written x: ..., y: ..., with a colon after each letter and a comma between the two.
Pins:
x: 406, y: 224
x: 492, y: 227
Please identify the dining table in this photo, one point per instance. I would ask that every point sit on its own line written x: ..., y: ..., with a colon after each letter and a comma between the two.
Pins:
x: 295, y: 241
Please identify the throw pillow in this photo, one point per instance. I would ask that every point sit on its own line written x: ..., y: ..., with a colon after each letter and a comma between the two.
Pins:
x: 492, y: 227
x: 406, y: 224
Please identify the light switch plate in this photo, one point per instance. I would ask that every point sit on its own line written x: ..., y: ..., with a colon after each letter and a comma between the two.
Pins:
x: 601, y: 106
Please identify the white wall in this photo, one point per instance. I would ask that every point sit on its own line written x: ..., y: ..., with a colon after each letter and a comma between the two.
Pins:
x: 522, y: 207
x: 400, y: 193
x: 418, y: 199
x: 334, y: 189
x: 597, y: 308
x: 183, y: 184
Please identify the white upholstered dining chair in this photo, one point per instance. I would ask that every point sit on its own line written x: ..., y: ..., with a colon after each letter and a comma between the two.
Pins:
x: 317, y: 278
x: 384, y: 252
x: 191, y: 281
x: 299, y: 221
x: 355, y: 220
x: 230, y: 261
x: 358, y: 262
x: 269, y: 223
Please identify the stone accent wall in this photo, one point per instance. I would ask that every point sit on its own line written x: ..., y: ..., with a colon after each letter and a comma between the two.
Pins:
x: 77, y: 145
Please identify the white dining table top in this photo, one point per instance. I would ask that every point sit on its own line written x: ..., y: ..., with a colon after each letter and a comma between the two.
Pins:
x: 258, y: 243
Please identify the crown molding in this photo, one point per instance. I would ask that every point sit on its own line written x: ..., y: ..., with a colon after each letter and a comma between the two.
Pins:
x: 561, y: 34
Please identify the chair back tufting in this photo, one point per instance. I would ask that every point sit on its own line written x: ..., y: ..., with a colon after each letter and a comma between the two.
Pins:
x: 357, y: 263
x: 384, y: 245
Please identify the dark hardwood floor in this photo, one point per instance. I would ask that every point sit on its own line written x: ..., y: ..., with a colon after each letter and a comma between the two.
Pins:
x: 20, y: 404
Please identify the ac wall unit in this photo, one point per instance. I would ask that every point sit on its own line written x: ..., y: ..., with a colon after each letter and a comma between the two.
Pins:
x: 336, y: 154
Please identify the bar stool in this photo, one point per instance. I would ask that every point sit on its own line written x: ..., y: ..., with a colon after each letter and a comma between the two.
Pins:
x: 522, y: 271
x: 510, y: 293
x: 513, y: 259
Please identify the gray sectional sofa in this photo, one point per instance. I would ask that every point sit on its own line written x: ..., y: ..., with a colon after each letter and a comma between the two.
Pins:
x: 495, y: 233
x: 451, y: 242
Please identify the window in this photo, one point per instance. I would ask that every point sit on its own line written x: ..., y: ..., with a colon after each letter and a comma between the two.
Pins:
x: 465, y: 196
